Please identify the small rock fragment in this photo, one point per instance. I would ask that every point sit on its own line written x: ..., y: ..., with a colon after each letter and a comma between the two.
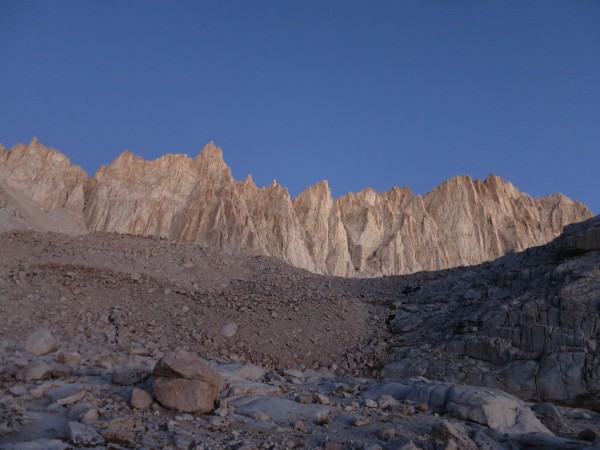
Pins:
x: 127, y: 376
x: 454, y: 437
x: 361, y: 421
x: 259, y: 415
x: 387, y: 401
x: 386, y: 433
x: 321, y: 399
x: 140, y: 399
x: 72, y: 398
x: 37, y: 370
x: 19, y: 391
x: 80, y: 434
x: 70, y: 359
x: 547, y: 410
x: 370, y: 403
x: 587, y: 435
x: 229, y: 330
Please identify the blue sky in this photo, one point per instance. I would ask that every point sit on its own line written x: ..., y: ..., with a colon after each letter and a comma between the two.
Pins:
x: 362, y: 93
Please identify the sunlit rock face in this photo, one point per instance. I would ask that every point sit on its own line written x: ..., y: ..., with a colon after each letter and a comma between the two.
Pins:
x: 461, y: 222
x: 44, y: 175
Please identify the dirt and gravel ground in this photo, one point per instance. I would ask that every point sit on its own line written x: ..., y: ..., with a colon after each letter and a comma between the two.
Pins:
x: 298, y: 352
x: 103, y: 290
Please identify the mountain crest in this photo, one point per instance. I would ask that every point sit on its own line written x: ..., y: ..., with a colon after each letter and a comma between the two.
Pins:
x: 460, y: 222
x: 210, y: 150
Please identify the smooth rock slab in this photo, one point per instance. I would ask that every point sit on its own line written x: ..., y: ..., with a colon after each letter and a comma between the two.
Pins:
x: 247, y: 371
x: 540, y: 440
x: 281, y: 410
x: 490, y: 407
x: 63, y: 391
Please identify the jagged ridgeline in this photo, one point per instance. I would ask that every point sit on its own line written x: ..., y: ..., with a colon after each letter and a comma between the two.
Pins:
x: 460, y: 222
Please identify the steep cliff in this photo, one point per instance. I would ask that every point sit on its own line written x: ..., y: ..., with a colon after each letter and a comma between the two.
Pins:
x: 41, y: 190
x: 44, y: 175
x: 461, y: 222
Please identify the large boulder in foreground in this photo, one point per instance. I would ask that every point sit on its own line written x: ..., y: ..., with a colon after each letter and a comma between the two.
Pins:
x: 186, y: 383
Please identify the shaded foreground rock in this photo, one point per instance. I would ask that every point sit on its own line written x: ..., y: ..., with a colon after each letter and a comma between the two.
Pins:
x: 186, y: 383
x: 489, y: 407
x: 281, y: 410
x: 527, y: 323
x: 289, y: 408
x: 80, y: 434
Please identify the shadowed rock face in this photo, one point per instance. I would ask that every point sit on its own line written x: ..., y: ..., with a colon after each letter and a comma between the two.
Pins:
x: 461, y: 222
x: 527, y: 323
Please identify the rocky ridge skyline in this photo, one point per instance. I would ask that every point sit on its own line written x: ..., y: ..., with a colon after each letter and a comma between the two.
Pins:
x: 460, y: 222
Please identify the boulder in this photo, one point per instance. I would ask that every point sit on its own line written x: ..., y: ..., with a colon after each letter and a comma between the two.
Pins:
x: 192, y: 396
x: 186, y: 365
x: 186, y: 383
x: 40, y: 342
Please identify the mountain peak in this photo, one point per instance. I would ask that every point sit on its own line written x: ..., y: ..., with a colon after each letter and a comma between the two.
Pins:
x: 210, y: 150
x: 45, y: 175
x: 461, y: 222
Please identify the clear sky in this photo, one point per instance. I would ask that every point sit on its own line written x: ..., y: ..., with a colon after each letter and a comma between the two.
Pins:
x: 362, y: 93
